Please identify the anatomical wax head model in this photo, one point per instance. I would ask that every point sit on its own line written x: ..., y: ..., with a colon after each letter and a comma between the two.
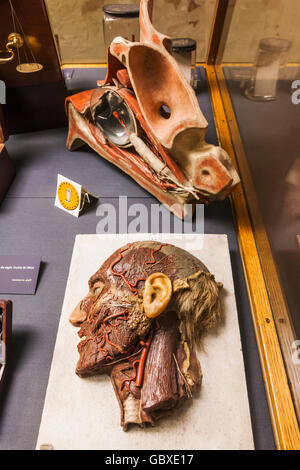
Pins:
x: 145, y: 118
x: 140, y: 322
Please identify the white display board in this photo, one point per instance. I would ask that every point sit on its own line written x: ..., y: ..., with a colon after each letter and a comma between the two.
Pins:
x: 84, y: 413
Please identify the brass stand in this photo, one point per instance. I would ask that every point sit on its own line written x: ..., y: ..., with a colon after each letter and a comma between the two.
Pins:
x: 15, y: 40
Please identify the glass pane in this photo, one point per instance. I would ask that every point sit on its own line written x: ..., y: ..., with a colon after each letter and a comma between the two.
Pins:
x: 256, y: 19
x: 77, y: 26
x: 259, y: 75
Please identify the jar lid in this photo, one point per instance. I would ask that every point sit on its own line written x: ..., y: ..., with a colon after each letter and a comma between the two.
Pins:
x: 183, y: 45
x: 120, y: 10
x: 275, y: 44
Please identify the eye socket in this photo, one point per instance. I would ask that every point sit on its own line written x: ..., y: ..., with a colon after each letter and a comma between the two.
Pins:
x: 97, y: 288
x: 165, y: 111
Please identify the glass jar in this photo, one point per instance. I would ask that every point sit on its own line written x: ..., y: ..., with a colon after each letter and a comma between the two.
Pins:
x: 271, y: 55
x: 184, y: 52
x: 120, y: 20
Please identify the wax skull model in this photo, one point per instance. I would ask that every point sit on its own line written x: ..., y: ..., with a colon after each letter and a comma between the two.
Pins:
x: 140, y: 322
x: 145, y: 118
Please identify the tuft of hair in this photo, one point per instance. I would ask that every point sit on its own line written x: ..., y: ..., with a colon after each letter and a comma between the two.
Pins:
x: 197, y: 303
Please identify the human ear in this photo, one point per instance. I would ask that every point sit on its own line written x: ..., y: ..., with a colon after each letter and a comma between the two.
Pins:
x: 157, y: 294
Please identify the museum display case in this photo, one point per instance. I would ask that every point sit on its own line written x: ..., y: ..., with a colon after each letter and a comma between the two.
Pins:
x: 257, y: 82
x: 246, y: 98
x: 30, y: 68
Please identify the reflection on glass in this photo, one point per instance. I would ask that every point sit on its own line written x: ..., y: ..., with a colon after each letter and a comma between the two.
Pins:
x: 120, y: 20
x: 271, y: 55
x: 184, y: 52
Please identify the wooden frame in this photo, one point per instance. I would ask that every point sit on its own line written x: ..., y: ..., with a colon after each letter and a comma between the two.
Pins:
x: 3, y: 131
x: 7, y: 171
x: 221, y: 24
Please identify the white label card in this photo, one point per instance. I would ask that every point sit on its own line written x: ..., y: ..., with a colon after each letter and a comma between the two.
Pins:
x: 70, y: 196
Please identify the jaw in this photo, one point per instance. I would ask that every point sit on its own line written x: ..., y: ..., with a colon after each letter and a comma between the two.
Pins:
x: 113, y: 341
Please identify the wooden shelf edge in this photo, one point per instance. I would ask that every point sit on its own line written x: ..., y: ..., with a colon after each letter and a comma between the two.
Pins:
x: 282, y: 411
